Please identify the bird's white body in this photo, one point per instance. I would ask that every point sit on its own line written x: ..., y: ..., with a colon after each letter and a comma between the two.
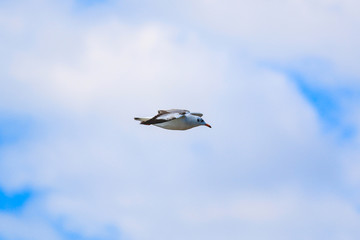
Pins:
x: 174, y: 119
x: 184, y: 123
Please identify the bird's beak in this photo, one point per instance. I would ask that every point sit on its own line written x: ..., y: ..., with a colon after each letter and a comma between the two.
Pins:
x: 207, y: 125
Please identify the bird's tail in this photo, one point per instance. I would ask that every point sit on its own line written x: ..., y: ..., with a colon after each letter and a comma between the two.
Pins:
x: 143, y: 119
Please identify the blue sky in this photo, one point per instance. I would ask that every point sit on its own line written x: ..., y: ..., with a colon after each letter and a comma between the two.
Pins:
x: 278, y: 81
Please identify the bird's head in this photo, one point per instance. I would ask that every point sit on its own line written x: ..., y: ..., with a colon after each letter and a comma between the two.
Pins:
x: 201, y: 121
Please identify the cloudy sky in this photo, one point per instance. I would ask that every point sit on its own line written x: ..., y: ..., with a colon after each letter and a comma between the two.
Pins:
x: 279, y: 81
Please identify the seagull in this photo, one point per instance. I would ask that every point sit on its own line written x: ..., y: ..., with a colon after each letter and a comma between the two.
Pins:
x: 174, y: 119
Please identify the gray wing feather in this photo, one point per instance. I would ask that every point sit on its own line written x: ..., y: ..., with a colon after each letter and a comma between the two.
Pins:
x: 197, y: 114
x: 165, y: 116
x: 181, y: 111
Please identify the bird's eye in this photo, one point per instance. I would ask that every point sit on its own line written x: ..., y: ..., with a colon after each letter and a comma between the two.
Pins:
x: 197, y: 120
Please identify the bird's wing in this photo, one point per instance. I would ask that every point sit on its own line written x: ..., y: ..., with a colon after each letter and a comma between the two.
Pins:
x: 165, y: 116
x: 181, y: 111
x: 197, y: 114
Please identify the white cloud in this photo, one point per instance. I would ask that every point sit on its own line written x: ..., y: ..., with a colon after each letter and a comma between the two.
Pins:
x: 279, y: 213
x: 83, y: 82
x: 118, y: 63
x: 287, y: 31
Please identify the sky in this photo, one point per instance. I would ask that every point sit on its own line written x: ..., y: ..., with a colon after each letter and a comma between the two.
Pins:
x: 279, y: 81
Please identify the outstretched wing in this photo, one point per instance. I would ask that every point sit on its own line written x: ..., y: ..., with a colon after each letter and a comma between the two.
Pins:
x: 197, y: 114
x: 165, y: 116
x: 181, y: 111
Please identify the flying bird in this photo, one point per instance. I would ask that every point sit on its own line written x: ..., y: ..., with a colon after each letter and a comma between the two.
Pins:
x: 174, y: 119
